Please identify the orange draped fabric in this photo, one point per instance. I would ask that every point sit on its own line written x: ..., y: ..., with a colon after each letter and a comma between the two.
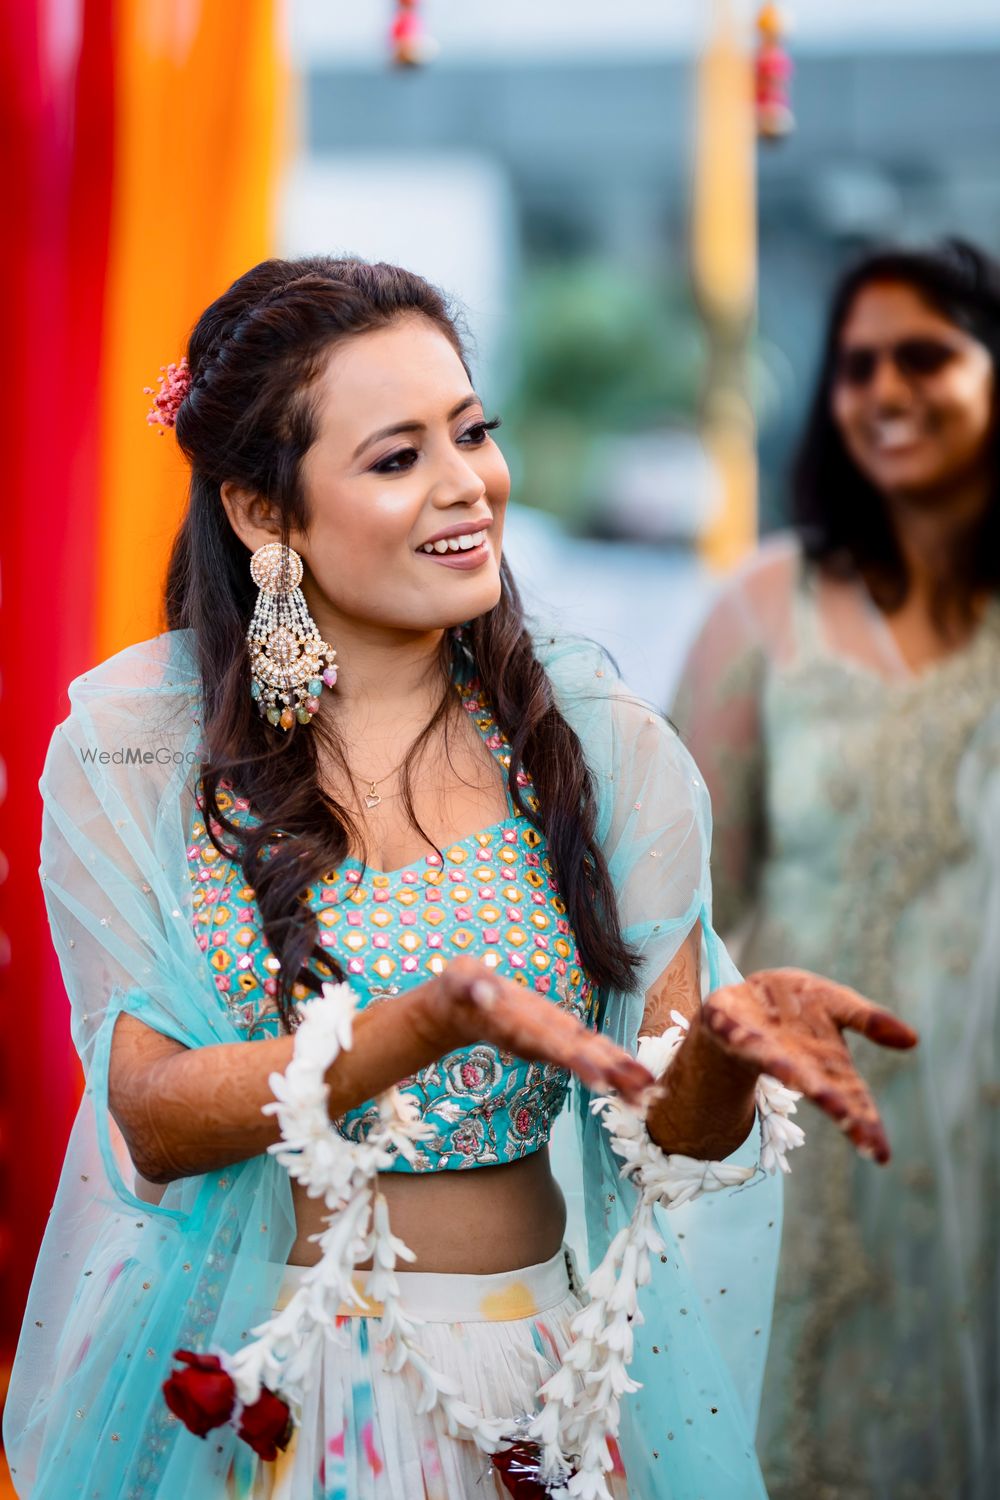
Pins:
x: 199, y: 95
x: 142, y: 142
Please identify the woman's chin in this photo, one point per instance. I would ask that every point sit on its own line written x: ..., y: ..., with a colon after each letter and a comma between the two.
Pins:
x: 464, y: 596
x: 908, y: 474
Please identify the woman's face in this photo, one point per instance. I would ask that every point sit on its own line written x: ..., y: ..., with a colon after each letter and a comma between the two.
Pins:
x: 405, y: 488
x: 913, y: 394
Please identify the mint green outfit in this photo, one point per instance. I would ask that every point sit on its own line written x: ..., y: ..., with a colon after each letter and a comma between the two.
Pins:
x: 857, y: 834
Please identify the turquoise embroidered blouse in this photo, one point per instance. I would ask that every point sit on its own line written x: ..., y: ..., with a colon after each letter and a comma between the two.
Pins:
x: 492, y: 895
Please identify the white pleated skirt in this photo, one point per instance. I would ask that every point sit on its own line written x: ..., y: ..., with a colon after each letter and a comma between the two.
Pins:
x: 361, y: 1436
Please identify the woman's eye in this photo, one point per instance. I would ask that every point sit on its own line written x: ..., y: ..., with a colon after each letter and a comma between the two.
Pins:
x: 476, y: 434
x: 404, y: 458
x: 396, y: 463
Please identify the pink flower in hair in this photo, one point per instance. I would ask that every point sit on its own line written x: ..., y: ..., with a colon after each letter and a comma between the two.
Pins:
x: 175, y: 382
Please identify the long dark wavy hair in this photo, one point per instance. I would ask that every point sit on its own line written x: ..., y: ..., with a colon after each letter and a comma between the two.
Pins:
x: 842, y: 518
x: 250, y: 418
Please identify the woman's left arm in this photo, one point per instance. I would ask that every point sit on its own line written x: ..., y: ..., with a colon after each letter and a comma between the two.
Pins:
x: 655, y: 830
x: 787, y: 1023
x: 707, y: 1110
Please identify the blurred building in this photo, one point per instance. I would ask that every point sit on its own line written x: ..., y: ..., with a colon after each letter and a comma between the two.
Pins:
x: 589, y: 162
x: 540, y: 169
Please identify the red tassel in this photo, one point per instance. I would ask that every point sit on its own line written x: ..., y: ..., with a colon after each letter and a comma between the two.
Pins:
x: 773, y: 72
x: 407, y: 43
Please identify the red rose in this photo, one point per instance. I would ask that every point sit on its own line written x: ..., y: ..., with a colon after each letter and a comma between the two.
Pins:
x: 266, y: 1425
x: 203, y: 1395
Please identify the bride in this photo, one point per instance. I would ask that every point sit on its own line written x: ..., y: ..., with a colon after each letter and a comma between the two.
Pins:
x: 376, y: 884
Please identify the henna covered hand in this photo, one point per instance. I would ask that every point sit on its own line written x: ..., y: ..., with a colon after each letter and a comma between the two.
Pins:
x: 473, y: 1004
x: 789, y: 1023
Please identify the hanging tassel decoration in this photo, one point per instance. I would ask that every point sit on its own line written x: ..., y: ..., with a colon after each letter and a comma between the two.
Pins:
x: 773, y: 74
x: 409, y: 45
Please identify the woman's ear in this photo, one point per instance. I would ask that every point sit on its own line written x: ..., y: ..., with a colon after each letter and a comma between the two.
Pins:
x: 252, y: 516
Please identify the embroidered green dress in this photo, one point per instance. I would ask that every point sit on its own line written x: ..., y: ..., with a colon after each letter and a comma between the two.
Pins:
x: 857, y: 833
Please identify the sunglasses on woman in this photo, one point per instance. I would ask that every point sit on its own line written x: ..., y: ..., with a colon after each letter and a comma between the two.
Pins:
x: 914, y: 358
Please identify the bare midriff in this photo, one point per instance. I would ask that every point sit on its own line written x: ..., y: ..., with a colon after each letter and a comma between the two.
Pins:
x: 478, y: 1221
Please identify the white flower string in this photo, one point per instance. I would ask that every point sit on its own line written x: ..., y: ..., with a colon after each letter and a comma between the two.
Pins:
x: 581, y: 1400
x: 283, y: 1353
x: 778, y: 1134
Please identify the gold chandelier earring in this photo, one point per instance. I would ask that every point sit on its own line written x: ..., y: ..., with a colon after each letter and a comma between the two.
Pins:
x: 290, y: 663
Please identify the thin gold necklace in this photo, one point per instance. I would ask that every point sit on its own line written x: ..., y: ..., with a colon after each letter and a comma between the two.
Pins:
x: 373, y: 796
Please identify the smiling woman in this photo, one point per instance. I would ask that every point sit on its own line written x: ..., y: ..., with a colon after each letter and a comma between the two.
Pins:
x: 843, y: 701
x: 897, y: 473
x: 399, y: 913
x: 378, y: 505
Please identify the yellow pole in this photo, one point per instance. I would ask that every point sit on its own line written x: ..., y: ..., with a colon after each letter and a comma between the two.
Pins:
x: 724, y: 269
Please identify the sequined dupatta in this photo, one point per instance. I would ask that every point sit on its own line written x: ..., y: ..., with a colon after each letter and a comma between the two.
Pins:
x: 122, y: 1282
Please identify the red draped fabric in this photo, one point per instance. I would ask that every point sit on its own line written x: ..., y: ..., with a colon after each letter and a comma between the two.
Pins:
x: 141, y: 142
x: 56, y: 105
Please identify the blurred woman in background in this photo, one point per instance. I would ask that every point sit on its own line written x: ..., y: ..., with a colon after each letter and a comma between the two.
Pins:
x: 843, y: 703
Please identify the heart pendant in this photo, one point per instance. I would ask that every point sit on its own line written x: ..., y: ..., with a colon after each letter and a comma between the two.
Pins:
x: 372, y: 799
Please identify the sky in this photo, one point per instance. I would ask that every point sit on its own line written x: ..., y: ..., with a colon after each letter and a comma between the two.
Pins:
x: 352, y: 32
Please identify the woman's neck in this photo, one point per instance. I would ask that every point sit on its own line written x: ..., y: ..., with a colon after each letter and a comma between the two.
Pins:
x: 382, y: 671
x: 929, y: 530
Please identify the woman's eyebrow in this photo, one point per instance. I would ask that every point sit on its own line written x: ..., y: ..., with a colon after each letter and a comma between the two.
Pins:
x: 397, y: 427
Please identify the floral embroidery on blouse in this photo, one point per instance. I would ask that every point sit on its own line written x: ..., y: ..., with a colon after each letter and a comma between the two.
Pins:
x: 491, y: 895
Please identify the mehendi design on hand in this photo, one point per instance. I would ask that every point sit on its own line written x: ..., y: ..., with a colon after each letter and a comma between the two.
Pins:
x: 677, y: 988
x: 789, y: 1023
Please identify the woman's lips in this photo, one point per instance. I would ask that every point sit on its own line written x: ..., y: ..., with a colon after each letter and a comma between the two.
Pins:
x: 464, y: 561
x: 894, y: 436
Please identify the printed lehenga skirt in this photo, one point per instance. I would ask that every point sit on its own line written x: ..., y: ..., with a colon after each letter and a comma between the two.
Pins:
x: 361, y: 1436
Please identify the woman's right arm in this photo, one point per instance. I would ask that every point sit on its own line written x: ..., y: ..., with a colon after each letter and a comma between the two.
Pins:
x: 717, y: 711
x: 187, y: 1111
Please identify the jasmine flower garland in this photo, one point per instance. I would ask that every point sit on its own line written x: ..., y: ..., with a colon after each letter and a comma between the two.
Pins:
x: 580, y: 1403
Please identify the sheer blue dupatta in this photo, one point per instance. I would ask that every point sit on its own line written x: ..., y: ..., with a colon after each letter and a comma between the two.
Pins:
x: 122, y: 1282
x: 688, y: 1434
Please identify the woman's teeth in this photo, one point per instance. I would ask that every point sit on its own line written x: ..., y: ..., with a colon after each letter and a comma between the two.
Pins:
x: 456, y: 543
x: 895, y: 433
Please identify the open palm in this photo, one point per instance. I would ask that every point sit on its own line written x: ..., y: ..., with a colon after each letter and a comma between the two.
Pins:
x: 789, y: 1023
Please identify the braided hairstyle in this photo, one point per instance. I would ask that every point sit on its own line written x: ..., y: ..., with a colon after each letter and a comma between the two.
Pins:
x: 249, y: 417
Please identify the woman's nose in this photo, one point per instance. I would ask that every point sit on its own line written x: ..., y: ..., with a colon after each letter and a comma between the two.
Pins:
x: 888, y: 387
x: 457, y: 483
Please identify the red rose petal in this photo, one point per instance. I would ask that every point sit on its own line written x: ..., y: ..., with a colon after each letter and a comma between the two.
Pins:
x: 202, y: 1395
x: 266, y: 1425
